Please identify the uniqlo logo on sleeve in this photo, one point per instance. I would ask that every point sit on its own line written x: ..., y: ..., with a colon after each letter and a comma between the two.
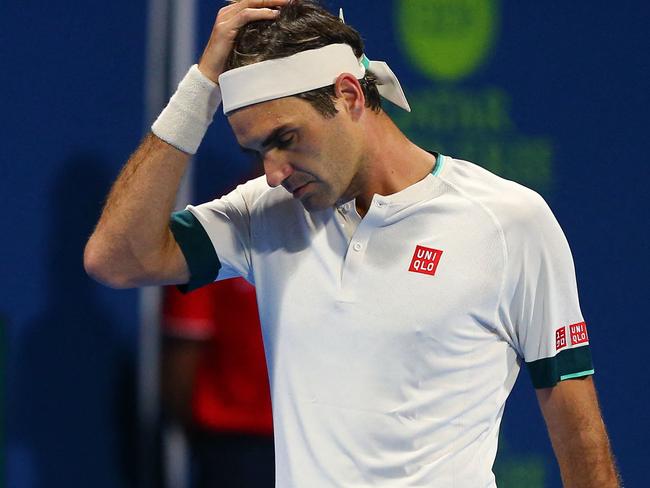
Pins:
x: 560, y: 338
x: 425, y: 260
x: 578, y: 333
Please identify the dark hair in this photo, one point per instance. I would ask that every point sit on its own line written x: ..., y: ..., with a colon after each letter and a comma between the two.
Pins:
x: 300, y: 26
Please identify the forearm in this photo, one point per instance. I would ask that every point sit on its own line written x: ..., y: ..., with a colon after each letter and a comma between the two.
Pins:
x: 132, y: 232
x: 585, y: 459
x: 578, y: 435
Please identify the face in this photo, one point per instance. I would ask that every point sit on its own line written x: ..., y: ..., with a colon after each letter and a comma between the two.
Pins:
x: 316, y: 159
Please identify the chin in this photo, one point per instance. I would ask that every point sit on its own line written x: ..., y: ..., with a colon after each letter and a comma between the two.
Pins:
x: 311, y: 206
x: 315, y: 203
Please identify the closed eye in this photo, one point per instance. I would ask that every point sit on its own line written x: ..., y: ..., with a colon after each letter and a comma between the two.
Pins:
x: 280, y: 138
x: 284, y: 142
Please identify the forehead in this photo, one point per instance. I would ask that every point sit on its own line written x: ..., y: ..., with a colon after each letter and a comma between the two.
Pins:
x: 254, y: 123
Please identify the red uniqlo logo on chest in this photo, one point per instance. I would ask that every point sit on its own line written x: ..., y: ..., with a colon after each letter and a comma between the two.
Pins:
x: 425, y: 260
x: 578, y: 333
x: 560, y: 338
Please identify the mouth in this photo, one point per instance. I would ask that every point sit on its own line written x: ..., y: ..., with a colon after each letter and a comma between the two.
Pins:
x: 299, y: 191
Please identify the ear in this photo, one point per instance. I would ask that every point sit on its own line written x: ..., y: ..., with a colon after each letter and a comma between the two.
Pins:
x: 348, y: 90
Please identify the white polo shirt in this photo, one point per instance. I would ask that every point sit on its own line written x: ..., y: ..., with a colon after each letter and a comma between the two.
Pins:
x: 393, y: 341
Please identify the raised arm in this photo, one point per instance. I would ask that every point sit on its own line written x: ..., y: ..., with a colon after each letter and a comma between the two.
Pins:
x: 578, y: 434
x: 132, y: 244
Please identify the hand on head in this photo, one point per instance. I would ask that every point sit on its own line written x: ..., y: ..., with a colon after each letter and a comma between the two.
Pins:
x: 229, y: 20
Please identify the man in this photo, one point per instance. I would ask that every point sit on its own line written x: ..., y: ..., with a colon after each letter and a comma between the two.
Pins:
x: 215, y: 383
x: 398, y: 289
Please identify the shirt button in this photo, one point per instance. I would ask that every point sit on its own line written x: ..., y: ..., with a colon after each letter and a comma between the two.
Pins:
x: 357, y: 246
x: 380, y: 203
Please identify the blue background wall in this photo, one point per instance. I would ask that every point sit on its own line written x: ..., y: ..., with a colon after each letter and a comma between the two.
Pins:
x: 568, y: 82
x: 72, y: 91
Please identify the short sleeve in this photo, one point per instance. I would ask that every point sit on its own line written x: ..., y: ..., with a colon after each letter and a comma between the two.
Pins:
x: 540, y: 298
x: 215, y: 236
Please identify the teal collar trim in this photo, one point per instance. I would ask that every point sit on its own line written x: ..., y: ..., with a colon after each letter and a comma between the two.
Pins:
x: 440, y: 161
x: 365, y: 61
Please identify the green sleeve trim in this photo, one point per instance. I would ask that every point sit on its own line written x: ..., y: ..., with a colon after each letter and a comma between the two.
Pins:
x: 197, y: 248
x: 570, y: 363
x: 576, y: 375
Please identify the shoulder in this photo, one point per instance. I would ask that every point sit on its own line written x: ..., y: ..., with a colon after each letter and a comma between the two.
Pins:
x: 239, y: 205
x: 513, y: 207
x: 250, y: 191
x: 256, y: 194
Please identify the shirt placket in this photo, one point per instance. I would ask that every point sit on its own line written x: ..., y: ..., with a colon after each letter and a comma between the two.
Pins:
x: 358, y: 248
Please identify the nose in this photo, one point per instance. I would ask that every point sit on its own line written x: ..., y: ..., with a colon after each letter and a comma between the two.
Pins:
x: 276, y: 168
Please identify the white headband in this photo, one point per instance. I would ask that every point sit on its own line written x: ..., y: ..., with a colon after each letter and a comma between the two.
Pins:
x: 302, y: 72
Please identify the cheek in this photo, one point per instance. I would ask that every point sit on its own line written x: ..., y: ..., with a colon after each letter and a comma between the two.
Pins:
x: 348, y: 140
x: 344, y: 153
x: 327, y: 153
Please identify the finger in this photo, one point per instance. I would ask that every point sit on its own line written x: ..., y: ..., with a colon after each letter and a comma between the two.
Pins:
x: 228, y: 12
x: 252, y: 15
x: 263, y: 3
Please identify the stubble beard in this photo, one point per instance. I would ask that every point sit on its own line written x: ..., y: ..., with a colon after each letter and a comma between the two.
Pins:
x: 318, y: 200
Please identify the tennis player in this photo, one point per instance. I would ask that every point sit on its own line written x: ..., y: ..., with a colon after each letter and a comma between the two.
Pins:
x: 400, y: 290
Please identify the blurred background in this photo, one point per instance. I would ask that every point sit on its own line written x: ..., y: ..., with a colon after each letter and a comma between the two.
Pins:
x: 554, y: 95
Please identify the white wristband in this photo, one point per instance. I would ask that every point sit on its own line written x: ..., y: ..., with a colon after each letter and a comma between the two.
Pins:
x: 188, y: 114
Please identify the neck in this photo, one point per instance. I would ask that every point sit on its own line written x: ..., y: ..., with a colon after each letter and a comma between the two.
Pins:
x: 391, y: 162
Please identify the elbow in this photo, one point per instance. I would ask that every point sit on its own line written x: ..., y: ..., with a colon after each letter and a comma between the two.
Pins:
x: 103, y: 268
